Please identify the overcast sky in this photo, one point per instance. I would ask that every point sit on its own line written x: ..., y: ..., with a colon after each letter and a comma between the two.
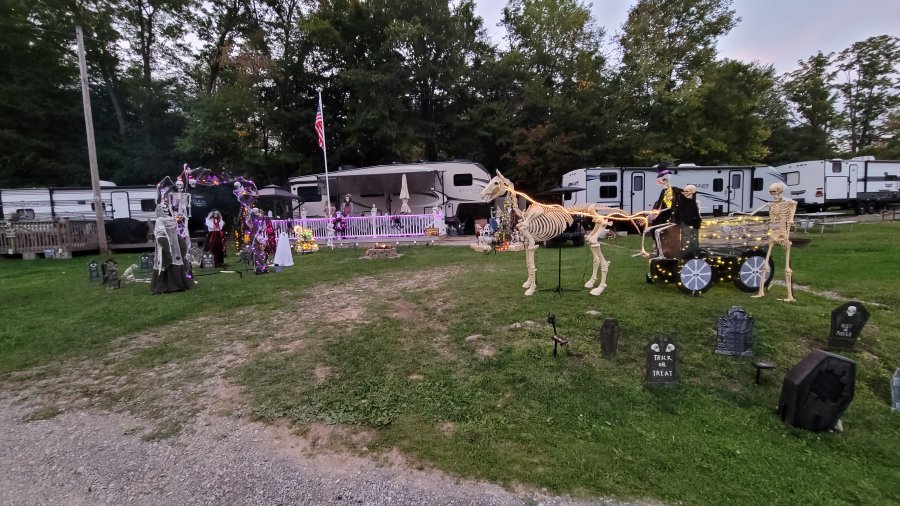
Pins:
x: 778, y: 32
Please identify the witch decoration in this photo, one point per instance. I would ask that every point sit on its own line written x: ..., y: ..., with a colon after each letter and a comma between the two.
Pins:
x: 215, y: 238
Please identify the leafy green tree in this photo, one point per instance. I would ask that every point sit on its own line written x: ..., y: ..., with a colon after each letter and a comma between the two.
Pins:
x: 869, y: 88
x: 809, y: 89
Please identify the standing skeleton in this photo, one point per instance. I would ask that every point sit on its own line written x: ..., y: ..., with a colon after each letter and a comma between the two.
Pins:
x: 781, y: 217
x: 542, y: 222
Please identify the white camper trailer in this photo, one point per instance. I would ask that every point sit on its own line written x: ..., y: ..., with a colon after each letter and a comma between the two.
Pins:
x: 138, y: 202
x: 454, y: 187
x: 863, y: 183
x: 720, y: 189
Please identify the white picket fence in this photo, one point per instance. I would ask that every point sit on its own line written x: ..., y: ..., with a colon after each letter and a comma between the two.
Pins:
x: 363, y: 227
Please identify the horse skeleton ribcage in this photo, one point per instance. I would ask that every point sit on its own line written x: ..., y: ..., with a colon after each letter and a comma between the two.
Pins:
x: 551, y: 221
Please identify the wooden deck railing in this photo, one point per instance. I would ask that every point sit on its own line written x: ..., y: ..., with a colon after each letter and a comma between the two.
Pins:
x: 30, y: 237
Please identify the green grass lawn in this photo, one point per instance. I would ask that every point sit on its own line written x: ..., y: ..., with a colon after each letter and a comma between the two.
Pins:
x: 500, y: 406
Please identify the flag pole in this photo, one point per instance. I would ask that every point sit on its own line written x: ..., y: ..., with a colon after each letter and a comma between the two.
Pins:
x: 325, y: 156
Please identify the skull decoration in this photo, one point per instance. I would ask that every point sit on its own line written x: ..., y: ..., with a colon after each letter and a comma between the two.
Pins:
x: 776, y: 190
x: 689, y: 191
x: 851, y: 311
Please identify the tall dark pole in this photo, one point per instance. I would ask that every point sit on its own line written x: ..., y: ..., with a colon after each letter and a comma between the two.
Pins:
x: 92, y: 149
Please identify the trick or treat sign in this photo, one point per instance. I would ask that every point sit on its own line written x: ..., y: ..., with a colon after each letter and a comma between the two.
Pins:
x: 662, y: 362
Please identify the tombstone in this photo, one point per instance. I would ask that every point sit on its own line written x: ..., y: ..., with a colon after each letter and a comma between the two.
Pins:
x: 147, y: 260
x: 895, y: 391
x: 609, y: 337
x: 817, y: 391
x: 662, y: 362
x: 734, y: 333
x: 207, y: 261
x: 847, y: 321
x: 94, y: 275
x: 111, y: 274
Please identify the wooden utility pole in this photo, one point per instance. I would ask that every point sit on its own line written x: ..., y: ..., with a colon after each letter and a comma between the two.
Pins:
x: 92, y: 149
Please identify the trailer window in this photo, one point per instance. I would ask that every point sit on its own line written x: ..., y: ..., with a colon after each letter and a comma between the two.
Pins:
x: 609, y: 192
x: 148, y: 205
x: 757, y: 184
x: 836, y: 167
x: 309, y: 193
x: 718, y: 184
x: 638, y: 185
x: 735, y: 181
x: 609, y: 177
x: 792, y: 178
x: 462, y: 179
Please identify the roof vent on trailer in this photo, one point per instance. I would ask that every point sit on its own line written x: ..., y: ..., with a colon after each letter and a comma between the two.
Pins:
x: 866, y: 158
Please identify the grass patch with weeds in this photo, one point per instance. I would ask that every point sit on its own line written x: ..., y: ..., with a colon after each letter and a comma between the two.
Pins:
x: 579, y: 423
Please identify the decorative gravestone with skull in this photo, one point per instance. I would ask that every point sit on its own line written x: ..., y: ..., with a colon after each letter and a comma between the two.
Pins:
x: 609, y: 337
x: 207, y: 261
x: 147, y: 261
x: 895, y: 391
x: 734, y: 333
x: 847, y: 321
x: 94, y: 275
x: 662, y: 362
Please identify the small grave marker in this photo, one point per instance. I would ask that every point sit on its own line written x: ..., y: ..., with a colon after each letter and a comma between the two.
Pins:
x: 817, y: 391
x: 111, y: 274
x: 895, y: 391
x: 94, y: 275
x: 734, y: 333
x: 147, y: 260
x: 207, y: 261
x: 847, y: 321
x: 662, y: 362
x: 609, y: 337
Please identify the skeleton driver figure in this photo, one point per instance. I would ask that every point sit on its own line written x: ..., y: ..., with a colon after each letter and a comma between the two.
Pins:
x: 781, y: 216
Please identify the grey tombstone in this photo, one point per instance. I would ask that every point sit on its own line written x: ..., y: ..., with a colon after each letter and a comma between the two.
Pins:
x: 207, y: 261
x: 662, y: 362
x: 847, y: 321
x: 147, y: 260
x: 895, y: 391
x: 734, y: 333
x: 817, y: 391
x: 94, y: 275
x: 609, y: 337
x: 111, y: 274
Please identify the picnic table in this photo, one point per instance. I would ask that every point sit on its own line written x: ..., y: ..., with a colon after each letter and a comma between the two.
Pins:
x: 805, y: 221
x: 890, y: 210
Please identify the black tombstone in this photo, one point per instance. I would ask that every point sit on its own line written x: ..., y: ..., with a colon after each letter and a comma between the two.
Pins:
x: 817, y: 391
x: 609, y: 337
x: 207, y: 261
x: 111, y: 274
x: 895, y: 391
x: 847, y: 321
x: 147, y: 260
x: 734, y: 333
x: 94, y: 275
x: 662, y: 362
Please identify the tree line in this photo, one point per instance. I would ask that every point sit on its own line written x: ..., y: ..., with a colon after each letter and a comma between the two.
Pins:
x: 232, y: 85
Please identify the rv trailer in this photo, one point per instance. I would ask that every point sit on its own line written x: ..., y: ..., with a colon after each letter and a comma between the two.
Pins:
x: 138, y: 202
x: 453, y: 186
x: 720, y: 189
x: 862, y: 184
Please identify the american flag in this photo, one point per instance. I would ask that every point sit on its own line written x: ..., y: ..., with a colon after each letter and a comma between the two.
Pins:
x: 320, y: 125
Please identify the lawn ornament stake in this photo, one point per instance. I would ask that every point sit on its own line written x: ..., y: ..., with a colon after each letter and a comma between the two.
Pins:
x: 781, y: 216
x: 542, y: 222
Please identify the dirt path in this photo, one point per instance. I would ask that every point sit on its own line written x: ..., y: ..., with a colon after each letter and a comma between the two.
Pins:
x: 124, y: 430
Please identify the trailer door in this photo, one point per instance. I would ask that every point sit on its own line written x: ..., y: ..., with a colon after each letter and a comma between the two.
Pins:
x: 637, y: 193
x: 853, y: 181
x: 735, y: 191
x: 120, y: 204
x: 837, y: 182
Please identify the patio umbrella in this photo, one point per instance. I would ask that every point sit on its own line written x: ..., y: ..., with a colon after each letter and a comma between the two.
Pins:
x: 404, y: 197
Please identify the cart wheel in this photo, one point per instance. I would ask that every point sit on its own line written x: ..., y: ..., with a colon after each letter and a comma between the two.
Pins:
x: 695, y: 275
x: 746, y: 275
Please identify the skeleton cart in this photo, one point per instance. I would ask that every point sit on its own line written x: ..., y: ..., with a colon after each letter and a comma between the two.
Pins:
x: 725, y: 249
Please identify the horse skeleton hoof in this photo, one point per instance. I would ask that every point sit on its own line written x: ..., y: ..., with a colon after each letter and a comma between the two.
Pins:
x: 530, y: 291
x: 598, y: 290
x: 589, y: 284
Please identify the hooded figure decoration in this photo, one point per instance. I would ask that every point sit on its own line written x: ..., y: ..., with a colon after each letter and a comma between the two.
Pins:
x: 171, y: 273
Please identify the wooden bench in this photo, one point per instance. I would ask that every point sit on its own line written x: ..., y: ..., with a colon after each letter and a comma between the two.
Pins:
x: 832, y: 224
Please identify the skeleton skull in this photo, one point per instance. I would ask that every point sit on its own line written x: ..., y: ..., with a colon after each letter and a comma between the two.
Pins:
x: 179, y: 184
x: 776, y: 190
x: 689, y: 191
x: 851, y: 310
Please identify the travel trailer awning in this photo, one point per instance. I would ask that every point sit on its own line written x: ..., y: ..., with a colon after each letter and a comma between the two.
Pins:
x: 419, y: 180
